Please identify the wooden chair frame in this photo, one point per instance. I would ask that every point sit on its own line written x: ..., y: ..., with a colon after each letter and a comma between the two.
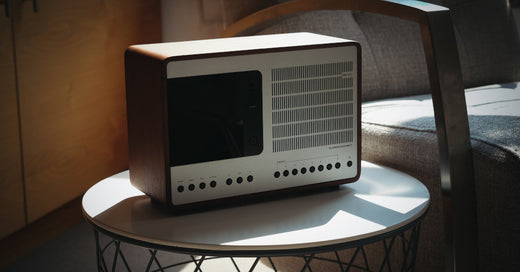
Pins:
x: 447, y: 89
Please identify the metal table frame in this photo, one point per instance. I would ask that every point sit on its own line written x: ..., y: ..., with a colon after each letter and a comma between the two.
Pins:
x: 407, y: 236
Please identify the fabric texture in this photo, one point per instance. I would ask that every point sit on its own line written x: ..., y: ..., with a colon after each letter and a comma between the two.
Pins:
x: 488, y: 40
x: 401, y: 133
x: 398, y: 51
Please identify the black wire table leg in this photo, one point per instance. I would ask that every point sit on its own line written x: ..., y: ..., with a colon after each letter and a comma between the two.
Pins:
x: 365, y: 258
x: 99, y: 254
x: 388, y: 249
x: 254, y: 264
x: 197, y: 263
x: 399, y: 254
x: 116, y: 254
x: 272, y: 264
x: 153, y: 258
x: 338, y: 259
x: 234, y: 263
x: 351, y: 262
x: 308, y: 260
x: 410, y: 250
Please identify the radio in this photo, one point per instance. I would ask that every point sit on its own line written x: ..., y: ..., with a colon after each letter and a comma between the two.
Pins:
x: 221, y: 120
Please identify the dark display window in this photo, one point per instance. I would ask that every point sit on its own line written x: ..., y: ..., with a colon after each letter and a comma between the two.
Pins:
x: 214, y: 117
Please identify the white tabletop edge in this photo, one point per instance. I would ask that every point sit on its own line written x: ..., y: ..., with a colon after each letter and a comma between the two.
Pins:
x: 197, y: 246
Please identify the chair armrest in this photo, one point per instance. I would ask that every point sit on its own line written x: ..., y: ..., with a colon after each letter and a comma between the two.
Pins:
x: 444, y: 71
x: 405, y: 9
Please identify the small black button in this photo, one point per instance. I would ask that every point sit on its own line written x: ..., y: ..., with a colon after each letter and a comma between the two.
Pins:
x: 349, y: 163
x: 191, y: 187
x: 180, y: 189
x: 277, y: 174
x: 202, y: 185
x: 249, y: 178
x: 285, y: 173
x: 229, y: 181
x: 295, y: 172
x: 303, y: 170
x: 329, y: 166
x: 337, y: 165
x: 320, y: 168
x: 213, y: 184
x: 239, y: 180
x: 312, y: 169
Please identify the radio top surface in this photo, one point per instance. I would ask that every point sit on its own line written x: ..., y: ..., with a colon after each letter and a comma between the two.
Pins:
x: 224, y: 45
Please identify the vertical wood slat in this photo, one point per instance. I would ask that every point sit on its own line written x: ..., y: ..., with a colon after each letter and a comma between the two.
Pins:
x: 12, y: 213
x: 72, y: 95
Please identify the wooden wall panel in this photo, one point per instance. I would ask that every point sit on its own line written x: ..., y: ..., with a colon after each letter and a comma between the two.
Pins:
x: 72, y: 94
x: 12, y: 215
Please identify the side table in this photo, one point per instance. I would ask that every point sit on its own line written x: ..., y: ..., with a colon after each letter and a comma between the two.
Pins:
x: 385, y: 206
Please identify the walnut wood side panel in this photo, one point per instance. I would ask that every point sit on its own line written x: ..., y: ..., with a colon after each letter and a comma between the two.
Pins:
x: 72, y: 93
x: 12, y: 214
x: 147, y: 124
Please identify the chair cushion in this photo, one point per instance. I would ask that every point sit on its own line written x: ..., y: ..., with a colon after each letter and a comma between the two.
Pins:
x: 401, y: 133
x: 493, y: 112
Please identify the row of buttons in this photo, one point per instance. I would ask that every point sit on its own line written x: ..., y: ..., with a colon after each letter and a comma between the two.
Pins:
x: 213, y: 184
x: 311, y: 169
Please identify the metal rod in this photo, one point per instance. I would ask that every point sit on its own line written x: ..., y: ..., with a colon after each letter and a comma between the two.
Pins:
x: 365, y: 258
x: 116, y: 254
x: 151, y: 260
x: 154, y: 254
x: 308, y: 260
x: 272, y: 264
x: 386, y: 259
x: 98, y: 250
x: 234, y: 263
x: 339, y: 260
x: 353, y: 258
x: 124, y: 260
x: 254, y: 264
x: 198, y: 263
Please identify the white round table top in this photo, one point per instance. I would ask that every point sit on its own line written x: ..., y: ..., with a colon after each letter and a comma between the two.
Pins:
x: 381, y: 201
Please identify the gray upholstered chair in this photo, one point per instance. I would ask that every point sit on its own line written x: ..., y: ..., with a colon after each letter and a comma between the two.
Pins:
x: 469, y: 59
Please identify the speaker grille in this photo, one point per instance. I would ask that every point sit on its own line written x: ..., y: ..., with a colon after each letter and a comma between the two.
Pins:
x: 312, y: 127
x: 312, y: 105
x: 309, y: 71
x: 312, y: 140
